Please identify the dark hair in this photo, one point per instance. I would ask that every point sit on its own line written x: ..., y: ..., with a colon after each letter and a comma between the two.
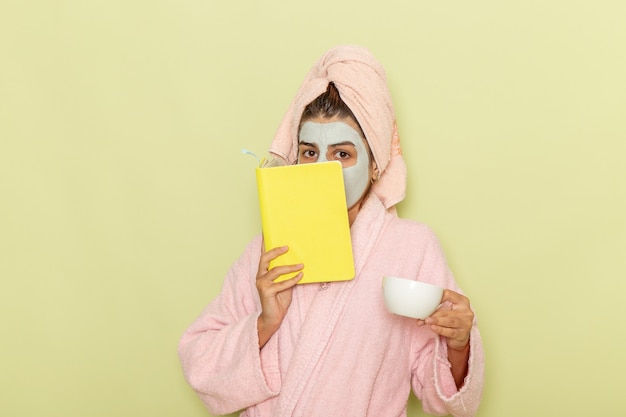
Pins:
x: 328, y: 104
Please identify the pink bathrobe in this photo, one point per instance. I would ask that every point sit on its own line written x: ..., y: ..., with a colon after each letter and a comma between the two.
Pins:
x: 338, y: 352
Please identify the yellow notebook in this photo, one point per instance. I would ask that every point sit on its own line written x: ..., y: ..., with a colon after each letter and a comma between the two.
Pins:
x: 304, y: 207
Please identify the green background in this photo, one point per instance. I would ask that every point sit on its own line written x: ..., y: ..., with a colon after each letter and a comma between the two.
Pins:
x: 124, y: 196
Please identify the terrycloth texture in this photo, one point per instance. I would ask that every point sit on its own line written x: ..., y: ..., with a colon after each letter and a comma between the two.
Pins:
x: 338, y: 352
x: 362, y: 85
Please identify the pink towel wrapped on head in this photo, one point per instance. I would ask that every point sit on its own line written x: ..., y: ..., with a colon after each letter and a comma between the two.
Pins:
x: 362, y: 85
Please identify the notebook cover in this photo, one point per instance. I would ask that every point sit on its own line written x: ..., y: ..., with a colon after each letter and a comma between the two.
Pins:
x: 304, y: 207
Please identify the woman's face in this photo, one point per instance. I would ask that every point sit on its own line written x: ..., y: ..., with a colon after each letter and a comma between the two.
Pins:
x: 338, y: 139
x: 323, y: 139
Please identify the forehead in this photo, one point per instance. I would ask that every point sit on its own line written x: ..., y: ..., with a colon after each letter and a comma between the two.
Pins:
x: 328, y: 131
x: 347, y: 120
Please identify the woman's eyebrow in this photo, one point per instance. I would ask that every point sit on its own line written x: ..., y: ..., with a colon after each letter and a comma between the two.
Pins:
x: 313, y: 145
x: 347, y: 142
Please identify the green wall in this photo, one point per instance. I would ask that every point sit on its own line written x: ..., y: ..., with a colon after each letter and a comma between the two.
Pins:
x: 124, y: 197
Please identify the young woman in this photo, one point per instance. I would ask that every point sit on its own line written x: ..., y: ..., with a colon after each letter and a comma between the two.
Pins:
x: 281, y: 349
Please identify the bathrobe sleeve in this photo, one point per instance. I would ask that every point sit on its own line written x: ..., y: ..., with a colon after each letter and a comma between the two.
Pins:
x: 219, y: 352
x: 432, y: 379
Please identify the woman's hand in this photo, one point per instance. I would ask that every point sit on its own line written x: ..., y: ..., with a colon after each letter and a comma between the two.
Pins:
x: 455, y: 323
x: 275, y: 296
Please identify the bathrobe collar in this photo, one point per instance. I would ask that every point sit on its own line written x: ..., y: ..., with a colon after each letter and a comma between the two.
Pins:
x: 318, y: 329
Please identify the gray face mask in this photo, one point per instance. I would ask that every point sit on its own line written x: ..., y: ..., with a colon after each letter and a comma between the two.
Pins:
x: 356, y: 178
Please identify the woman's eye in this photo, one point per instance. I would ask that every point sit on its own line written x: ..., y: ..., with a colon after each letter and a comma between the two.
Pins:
x: 308, y: 153
x: 342, y: 155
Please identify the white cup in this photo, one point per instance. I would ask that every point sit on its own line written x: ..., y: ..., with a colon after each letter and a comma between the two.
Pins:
x: 411, y: 298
